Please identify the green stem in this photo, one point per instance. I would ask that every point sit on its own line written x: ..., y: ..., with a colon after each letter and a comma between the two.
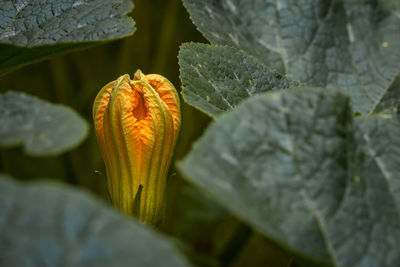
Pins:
x: 165, y: 41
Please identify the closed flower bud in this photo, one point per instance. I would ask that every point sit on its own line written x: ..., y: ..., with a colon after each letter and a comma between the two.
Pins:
x: 137, y: 123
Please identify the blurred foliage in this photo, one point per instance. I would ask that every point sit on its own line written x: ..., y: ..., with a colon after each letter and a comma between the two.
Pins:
x: 75, y: 79
x: 207, y: 232
x: 55, y: 225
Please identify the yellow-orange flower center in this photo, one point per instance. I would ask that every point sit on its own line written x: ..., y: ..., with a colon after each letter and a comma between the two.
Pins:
x: 139, y: 109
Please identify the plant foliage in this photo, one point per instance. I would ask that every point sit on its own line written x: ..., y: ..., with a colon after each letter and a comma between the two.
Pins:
x: 44, y: 224
x: 354, y: 45
x: 298, y: 167
x: 33, y: 30
x: 43, y: 128
x: 295, y: 163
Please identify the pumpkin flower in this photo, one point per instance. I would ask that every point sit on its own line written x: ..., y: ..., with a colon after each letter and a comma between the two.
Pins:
x: 137, y: 124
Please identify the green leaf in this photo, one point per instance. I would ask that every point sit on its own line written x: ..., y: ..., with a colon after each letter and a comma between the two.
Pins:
x: 390, y: 102
x: 353, y: 44
x: 33, y: 30
x: 43, y: 128
x: 294, y: 165
x: 44, y: 224
x: 218, y: 78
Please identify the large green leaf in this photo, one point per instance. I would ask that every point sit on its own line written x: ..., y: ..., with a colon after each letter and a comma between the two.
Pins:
x: 43, y: 128
x: 296, y: 166
x: 32, y: 30
x: 43, y: 224
x: 217, y: 78
x: 353, y: 44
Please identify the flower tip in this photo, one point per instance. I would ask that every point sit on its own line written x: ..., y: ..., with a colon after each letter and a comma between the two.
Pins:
x: 138, y: 75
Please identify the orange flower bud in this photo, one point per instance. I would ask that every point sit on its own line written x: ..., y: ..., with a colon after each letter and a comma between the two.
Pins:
x: 137, y: 124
